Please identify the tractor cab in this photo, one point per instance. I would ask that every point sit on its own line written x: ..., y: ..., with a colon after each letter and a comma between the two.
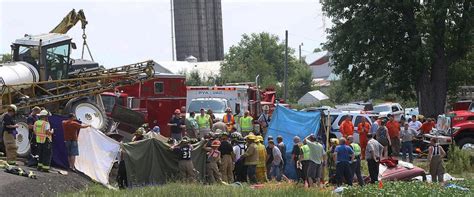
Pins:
x: 48, y: 53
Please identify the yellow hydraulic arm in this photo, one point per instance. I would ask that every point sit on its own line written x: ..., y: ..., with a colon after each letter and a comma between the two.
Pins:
x: 69, y: 21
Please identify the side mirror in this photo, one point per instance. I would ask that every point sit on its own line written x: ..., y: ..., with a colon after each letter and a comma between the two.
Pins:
x: 73, y: 45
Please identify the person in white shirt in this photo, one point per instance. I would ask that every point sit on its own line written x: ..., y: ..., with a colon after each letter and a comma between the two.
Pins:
x: 238, y: 146
x: 414, y: 123
x: 277, y: 161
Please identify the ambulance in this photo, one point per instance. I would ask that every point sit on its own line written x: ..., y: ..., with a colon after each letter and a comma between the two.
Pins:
x: 217, y: 99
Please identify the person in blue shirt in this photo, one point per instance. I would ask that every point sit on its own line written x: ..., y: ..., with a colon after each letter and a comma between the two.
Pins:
x: 343, y: 155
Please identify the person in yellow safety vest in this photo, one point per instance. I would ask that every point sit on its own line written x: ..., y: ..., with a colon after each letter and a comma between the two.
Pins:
x: 228, y: 119
x: 44, y: 139
x: 261, y: 171
x: 355, y: 164
x: 204, y: 122
x: 304, y: 160
x: 246, y: 123
x: 9, y: 134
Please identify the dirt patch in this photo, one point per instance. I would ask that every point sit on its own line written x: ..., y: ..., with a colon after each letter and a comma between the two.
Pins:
x: 47, y: 184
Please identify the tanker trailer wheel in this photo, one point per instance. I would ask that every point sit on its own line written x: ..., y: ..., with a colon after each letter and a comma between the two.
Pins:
x: 23, y: 137
x: 89, y: 113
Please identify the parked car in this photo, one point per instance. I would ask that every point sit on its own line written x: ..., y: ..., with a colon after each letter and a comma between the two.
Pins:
x: 409, y: 112
x: 338, y: 117
x: 395, y: 109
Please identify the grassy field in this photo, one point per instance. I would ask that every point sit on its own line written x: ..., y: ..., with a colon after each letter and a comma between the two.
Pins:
x: 282, y: 189
x: 195, y: 190
x: 291, y: 189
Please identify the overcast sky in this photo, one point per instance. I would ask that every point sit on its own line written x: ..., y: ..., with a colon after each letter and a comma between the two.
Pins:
x: 122, y: 32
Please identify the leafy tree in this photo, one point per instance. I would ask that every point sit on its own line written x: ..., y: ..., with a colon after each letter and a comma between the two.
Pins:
x: 317, y: 50
x: 411, y: 45
x: 5, y: 58
x: 300, y: 82
x: 193, y: 79
x: 461, y: 74
x: 262, y: 54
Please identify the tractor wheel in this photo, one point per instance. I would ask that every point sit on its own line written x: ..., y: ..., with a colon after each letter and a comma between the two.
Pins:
x: 89, y: 113
x: 23, y: 137
x: 466, y: 143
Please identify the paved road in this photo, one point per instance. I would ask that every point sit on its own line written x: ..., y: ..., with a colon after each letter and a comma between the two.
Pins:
x: 47, y: 184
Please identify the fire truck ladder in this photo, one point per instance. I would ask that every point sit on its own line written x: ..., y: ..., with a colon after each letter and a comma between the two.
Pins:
x: 84, y: 84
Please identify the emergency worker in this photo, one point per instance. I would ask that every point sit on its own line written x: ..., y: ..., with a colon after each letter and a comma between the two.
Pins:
x: 204, y: 122
x: 246, y: 123
x: 227, y: 154
x: 261, y: 171
x: 44, y: 139
x: 228, y: 119
x: 346, y: 127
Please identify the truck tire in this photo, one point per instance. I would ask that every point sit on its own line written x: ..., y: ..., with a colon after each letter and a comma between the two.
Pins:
x: 23, y: 137
x: 89, y: 113
x: 466, y: 143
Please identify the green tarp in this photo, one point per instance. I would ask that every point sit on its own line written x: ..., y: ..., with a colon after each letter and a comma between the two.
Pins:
x: 151, y: 161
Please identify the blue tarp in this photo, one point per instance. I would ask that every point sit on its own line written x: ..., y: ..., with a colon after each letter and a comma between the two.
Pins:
x: 59, y: 148
x: 288, y: 124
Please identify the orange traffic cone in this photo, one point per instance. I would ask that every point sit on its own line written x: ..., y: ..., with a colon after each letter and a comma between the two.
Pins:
x: 380, y: 184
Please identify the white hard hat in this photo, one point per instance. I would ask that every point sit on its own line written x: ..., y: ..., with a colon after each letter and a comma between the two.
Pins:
x: 265, y: 107
x: 43, y: 113
x: 13, y: 107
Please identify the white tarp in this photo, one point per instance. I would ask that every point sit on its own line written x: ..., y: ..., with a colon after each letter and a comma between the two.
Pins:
x: 97, y: 153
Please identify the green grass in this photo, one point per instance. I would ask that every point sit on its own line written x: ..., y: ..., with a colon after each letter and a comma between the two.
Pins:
x: 195, y: 190
x: 282, y: 189
x: 290, y: 189
x: 411, y: 189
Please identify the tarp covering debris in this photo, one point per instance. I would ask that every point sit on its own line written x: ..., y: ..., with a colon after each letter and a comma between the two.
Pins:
x: 151, y: 161
x: 59, y: 148
x: 97, y: 153
x: 288, y: 124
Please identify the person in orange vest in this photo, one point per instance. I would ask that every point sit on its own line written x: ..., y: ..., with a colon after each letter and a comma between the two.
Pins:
x: 363, y: 128
x: 44, y: 139
x: 346, y: 127
x: 228, y: 119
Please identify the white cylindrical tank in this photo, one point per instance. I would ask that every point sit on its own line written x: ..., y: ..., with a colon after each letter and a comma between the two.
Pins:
x: 18, y: 72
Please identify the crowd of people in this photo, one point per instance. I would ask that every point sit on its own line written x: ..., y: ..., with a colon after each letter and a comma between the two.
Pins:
x: 251, y: 161
x: 236, y: 151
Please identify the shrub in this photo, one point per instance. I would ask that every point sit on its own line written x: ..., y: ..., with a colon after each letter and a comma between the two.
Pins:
x: 459, y: 161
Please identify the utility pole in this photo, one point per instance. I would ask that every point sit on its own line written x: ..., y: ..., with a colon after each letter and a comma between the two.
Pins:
x: 286, y: 66
x: 300, y: 52
x: 172, y: 29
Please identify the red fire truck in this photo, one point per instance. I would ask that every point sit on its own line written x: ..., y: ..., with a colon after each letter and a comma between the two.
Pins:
x: 156, y: 99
